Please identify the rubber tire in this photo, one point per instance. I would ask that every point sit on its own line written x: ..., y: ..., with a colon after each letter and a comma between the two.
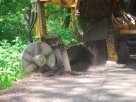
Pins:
x: 123, y: 52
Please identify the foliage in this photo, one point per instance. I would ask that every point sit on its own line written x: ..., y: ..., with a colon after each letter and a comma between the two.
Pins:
x: 11, y: 17
x: 65, y: 33
x: 10, y: 64
x: 11, y: 26
x: 55, y: 23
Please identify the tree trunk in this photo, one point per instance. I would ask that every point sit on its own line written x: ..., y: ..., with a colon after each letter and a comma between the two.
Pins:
x: 26, y: 21
x: 67, y: 19
x: 27, y: 15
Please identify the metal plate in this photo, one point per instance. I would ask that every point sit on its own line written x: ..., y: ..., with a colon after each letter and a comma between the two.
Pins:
x: 30, y: 53
x: 93, y: 32
x: 96, y: 8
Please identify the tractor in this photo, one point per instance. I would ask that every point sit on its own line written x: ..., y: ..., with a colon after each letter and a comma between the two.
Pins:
x: 105, y: 27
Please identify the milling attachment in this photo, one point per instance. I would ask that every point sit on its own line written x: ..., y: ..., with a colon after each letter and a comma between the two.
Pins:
x: 37, y: 57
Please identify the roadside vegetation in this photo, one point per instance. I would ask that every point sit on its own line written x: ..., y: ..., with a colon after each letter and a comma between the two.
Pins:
x: 13, y: 35
x: 10, y: 62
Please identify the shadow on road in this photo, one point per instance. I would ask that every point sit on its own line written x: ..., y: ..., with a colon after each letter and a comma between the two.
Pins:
x: 131, y: 63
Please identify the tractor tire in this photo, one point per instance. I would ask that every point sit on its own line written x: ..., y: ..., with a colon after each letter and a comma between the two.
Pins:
x: 123, y: 52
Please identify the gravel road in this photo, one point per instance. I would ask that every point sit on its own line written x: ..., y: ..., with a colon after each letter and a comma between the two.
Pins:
x: 108, y: 83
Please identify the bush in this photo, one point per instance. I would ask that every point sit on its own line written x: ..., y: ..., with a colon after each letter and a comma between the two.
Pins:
x: 10, y: 64
x: 65, y: 33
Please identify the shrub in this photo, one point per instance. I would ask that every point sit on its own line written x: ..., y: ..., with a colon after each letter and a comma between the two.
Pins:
x: 10, y: 64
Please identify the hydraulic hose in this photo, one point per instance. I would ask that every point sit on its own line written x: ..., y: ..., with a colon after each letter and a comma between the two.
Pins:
x: 29, y: 33
x: 34, y: 18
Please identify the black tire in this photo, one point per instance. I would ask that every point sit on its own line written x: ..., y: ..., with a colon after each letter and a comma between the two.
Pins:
x: 123, y: 52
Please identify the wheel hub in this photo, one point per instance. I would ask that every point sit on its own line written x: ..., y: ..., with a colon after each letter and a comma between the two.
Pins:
x: 40, y: 60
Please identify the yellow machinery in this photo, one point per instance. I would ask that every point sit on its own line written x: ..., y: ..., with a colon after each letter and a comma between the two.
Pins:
x: 92, y: 20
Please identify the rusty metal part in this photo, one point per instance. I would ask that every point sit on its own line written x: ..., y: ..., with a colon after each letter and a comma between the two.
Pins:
x: 74, y: 51
x: 38, y: 56
x: 60, y: 51
x: 124, y: 22
x: 111, y: 49
x: 59, y: 65
x: 119, y: 23
x: 53, y: 41
x: 62, y: 60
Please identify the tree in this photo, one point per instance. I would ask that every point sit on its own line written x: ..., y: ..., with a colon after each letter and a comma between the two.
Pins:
x: 11, y: 18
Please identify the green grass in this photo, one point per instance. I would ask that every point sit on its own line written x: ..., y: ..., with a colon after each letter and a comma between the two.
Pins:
x: 10, y: 62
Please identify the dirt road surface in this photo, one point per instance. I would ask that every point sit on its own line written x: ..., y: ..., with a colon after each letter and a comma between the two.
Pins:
x: 108, y: 83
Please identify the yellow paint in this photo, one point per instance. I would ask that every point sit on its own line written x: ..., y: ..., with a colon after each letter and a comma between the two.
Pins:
x: 40, y: 25
x: 73, y: 19
x: 111, y: 50
x: 77, y: 3
x: 127, y: 32
x: 40, y: 61
x: 67, y: 3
